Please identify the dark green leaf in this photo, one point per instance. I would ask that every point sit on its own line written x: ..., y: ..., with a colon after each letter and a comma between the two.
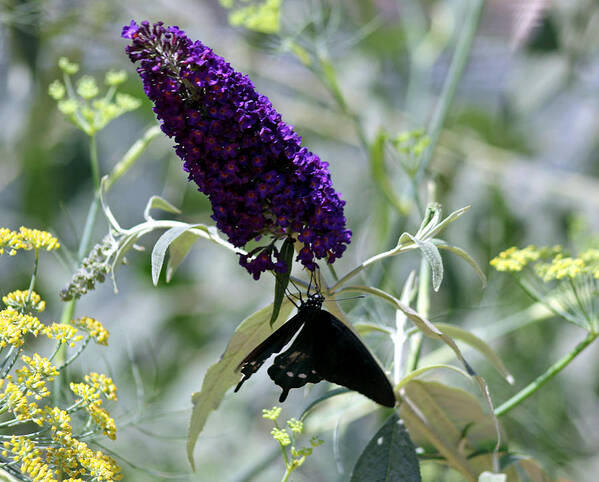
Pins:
x: 282, y: 279
x: 390, y: 456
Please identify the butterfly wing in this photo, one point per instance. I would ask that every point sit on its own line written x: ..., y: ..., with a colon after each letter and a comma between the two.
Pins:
x: 295, y: 367
x: 341, y: 357
x: 273, y: 344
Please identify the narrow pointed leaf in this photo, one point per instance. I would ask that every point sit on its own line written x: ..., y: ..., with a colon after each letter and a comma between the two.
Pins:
x: 222, y: 375
x: 447, y: 221
x: 464, y: 255
x: 433, y: 257
x: 390, y: 456
x: 478, y: 344
x: 282, y: 279
x: 156, y: 202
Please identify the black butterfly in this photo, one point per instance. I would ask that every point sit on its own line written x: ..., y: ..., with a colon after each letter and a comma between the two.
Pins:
x: 325, y: 349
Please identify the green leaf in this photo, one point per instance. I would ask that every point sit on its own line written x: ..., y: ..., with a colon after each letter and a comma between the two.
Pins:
x: 162, y: 245
x: 419, y: 371
x: 478, y: 344
x: 379, y: 172
x: 389, y: 456
x: 223, y: 374
x: 451, y: 422
x: 177, y: 251
x: 282, y: 279
x: 464, y: 255
x: 156, y: 202
x: 447, y: 221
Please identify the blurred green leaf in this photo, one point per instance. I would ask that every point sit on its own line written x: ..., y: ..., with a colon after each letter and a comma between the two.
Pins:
x: 478, y: 344
x: 389, y: 456
x: 223, y: 374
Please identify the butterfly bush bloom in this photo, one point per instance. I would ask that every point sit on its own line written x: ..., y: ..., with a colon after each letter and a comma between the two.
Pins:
x: 238, y: 151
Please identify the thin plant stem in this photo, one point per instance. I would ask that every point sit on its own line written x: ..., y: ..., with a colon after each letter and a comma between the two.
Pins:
x: 33, y: 278
x: 423, y: 307
x: 545, y: 377
x: 456, y: 69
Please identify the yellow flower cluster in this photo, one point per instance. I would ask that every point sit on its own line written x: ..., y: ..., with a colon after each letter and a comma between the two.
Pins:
x: 281, y: 436
x: 23, y: 450
x: 560, y: 267
x: 34, y: 374
x: 72, y: 458
x: 296, y: 426
x: 26, y: 239
x: 14, y: 326
x: 89, y: 394
x: 94, y: 328
x: 514, y: 259
x: 16, y: 401
x: 18, y: 301
x: 11, y: 240
x: 271, y: 414
x: 102, y: 383
x: 62, y: 333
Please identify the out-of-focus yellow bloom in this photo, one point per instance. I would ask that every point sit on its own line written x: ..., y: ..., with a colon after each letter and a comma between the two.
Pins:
x: 62, y: 333
x: 11, y: 240
x: 94, y: 328
x: 37, y: 239
x: 271, y: 414
x: 18, y: 301
x: 281, y: 436
x: 514, y: 259
x: 295, y: 425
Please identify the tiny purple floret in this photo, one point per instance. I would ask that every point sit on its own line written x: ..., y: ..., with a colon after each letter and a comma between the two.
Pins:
x: 238, y: 150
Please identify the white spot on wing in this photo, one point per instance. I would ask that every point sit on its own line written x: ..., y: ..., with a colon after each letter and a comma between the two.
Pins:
x: 379, y: 441
x: 303, y: 375
x: 289, y: 374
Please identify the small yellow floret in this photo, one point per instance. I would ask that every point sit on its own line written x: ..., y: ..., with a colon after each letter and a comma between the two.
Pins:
x: 94, y: 328
x: 17, y: 300
x: 14, y: 326
x: 514, y: 259
x: 17, y: 403
x: 11, y: 240
x: 62, y: 333
x: 34, y: 374
x: 281, y: 436
x: 103, y: 420
x: 296, y: 426
x: 103, y: 384
x: 561, y: 267
x: 39, y: 239
x: 271, y: 414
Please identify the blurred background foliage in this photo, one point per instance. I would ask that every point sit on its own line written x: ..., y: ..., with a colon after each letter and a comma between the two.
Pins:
x: 520, y: 146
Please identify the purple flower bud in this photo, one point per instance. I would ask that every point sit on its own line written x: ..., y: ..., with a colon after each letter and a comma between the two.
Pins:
x: 238, y: 151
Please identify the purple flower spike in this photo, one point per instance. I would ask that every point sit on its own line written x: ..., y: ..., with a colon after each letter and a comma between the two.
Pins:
x: 238, y: 151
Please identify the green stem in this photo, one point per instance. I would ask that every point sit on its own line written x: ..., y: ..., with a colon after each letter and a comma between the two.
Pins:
x: 33, y: 279
x: 545, y: 377
x: 458, y: 63
x: 131, y: 156
x: 423, y: 304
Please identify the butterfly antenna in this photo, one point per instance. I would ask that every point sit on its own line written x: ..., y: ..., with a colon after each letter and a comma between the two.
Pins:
x: 290, y: 297
x: 298, y: 290
x: 345, y: 299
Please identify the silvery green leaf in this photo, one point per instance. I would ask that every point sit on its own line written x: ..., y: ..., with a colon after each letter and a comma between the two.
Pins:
x: 162, y: 245
x: 433, y: 257
x: 447, y: 221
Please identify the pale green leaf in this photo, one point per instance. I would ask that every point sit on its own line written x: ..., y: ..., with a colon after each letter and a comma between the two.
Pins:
x: 177, y: 251
x: 222, y: 375
x: 156, y: 202
x: 390, y: 456
x: 478, y: 344
x: 159, y: 251
x: 464, y: 255
x: 450, y: 421
x: 419, y: 371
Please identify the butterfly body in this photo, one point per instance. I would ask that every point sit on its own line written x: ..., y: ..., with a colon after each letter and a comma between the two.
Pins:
x: 324, y: 349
